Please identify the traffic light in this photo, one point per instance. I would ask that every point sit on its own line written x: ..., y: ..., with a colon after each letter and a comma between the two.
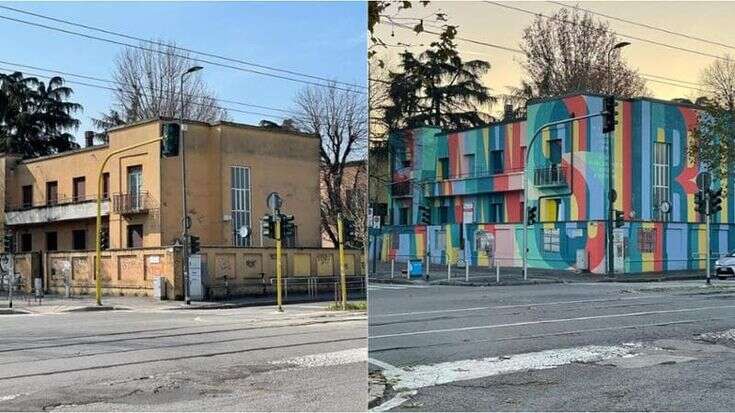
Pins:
x: 104, y: 238
x: 288, y: 228
x: 268, y: 227
x: 170, y: 139
x: 349, y: 231
x: 194, y: 244
x: 619, y: 217
x: 699, y: 203
x: 9, y: 242
x: 424, y: 215
x: 532, y: 215
x: 609, y: 114
x: 715, y: 199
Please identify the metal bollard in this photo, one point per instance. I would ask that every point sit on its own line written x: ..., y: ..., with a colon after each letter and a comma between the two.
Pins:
x: 449, y: 270
x: 466, y: 270
x: 408, y: 268
x: 497, y: 273
x: 392, y: 267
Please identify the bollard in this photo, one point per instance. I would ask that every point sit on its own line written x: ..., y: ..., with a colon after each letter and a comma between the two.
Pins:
x: 466, y: 270
x: 392, y: 267
x: 408, y: 268
x: 426, y: 267
x: 497, y: 273
x: 449, y: 270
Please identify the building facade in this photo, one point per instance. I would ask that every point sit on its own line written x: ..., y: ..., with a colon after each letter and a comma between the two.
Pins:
x: 231, y: 168
x: 458, y: 196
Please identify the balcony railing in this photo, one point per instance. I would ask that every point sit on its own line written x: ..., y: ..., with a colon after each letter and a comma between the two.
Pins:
x: 134, y: 203
x: 59, y: 209
x: 551, y: 175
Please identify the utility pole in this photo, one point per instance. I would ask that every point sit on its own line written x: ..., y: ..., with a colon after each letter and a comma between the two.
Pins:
x: 277, y: 217
x: 185, y: 221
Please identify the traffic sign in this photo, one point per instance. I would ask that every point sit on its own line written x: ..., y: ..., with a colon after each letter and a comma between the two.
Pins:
x: 274, y: 201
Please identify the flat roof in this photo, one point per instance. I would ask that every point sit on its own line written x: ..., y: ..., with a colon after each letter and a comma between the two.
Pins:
x: 214, y: 124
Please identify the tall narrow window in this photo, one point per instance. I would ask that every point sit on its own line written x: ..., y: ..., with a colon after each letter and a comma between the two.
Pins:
x: 555, y: 151
x: 27, y: 196
x: 135, y: 186
x: 79, y: 239
x: 78, y: 191
x: 135, y: 236
x: 240, y: 200
x: 26, y: 242
x: 469, y: 165
x: 661, y: 171
x: 496, y: 211
x: 52, y: 193
x: 444, y: 168
x: 51, y: 241
x: 106, y: 185
x: 496, y: 159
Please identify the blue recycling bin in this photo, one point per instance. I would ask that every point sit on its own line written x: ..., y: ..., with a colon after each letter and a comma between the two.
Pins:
x: 415, y: 268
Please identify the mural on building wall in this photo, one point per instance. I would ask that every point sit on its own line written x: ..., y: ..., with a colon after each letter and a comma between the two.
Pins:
x: 472, y: 182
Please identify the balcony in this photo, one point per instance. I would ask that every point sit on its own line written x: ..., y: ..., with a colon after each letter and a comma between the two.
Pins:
x: 553, y: 175
x: 64, y: 209
x: 129, y: 204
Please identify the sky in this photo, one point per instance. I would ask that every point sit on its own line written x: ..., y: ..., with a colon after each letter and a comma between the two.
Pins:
x: 317, y: 38
x: 491, y: 23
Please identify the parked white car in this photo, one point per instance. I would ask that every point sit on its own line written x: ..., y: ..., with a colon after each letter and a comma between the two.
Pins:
x: 725, y: 266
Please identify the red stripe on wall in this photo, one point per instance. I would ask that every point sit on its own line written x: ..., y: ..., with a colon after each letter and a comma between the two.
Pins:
x: 658, y: 255
x: 513, y: 203
x: 578, y: 106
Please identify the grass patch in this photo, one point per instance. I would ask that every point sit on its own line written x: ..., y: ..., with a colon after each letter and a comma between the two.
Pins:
x: 351, y: 306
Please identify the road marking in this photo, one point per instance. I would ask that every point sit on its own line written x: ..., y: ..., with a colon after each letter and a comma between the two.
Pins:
x: 10, y: 397
x: 555, y: 334
x: 558, y: 320
x: 501, y: 307
x: 334, y: 358
x: 412, y: 378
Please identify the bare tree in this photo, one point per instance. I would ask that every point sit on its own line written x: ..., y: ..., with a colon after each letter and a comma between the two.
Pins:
x: 569, y: 52
x: 719, y: 81
x: 148, y: 86
x: 339, y: 117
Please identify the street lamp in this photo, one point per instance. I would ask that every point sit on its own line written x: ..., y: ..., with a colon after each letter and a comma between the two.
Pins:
x: 185, y: 221
x: 611, y: 91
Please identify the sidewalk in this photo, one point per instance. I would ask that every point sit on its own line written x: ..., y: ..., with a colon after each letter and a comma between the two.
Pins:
x: 59, y: 304
x: 484, y: 276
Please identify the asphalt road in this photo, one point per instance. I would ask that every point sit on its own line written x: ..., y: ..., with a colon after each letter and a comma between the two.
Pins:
x: 247, y: 359
x: 555, y: 347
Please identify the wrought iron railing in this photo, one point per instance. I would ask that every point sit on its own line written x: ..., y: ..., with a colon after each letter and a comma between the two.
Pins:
x: 132, y: 203
x: 551, y: 175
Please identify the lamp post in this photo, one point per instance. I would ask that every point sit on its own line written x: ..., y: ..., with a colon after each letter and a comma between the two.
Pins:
x: 611, y: 200
x: 185, y: 222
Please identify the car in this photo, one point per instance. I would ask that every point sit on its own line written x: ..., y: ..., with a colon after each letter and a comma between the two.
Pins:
x: 725, y: 266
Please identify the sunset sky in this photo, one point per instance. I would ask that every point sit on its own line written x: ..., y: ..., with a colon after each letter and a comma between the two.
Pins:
x: 491, y: 23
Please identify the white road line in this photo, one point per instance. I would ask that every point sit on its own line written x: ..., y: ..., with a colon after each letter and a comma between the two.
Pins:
x: 334, y: 358
x: 408, y: 380
x: 558, y: 320
x: 500, y: 307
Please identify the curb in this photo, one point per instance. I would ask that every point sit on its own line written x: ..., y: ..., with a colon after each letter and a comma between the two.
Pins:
x: 11, y: 311
x: 88, y: 308
x: 500, y: 284
x: 220, y: 306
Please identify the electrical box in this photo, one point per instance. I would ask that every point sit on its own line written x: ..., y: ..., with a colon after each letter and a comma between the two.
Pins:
x: 159, y: 288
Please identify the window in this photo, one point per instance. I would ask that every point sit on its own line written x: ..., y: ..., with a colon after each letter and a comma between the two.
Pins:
x: 106, y: 185
x: 51, y: 241
x: 443, y: 214
x: 496, y: 211
x: 404, y: 215
x: 78, y: 189
x: 240, y: 200
x: 135, y: 236
x: 27, y: 196
x: 52, y: 193
x: 79, y: 239
x: 551, y: 239
x: 660, y: 179
x: 135, y: 186
x: 496, y: 159
x: 444, y: 168
x: 551, y: 210
x: 469, y: 165
x: 555, y: 151
x: 646, y: 240
x: 26, y: 242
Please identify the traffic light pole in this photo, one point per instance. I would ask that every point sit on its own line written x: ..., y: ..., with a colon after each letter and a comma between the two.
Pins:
x: 525, y: 182
x: 184, y: 216
x: 98, y: 249
x: 277, y: 217
x: 342, y: 278
x: 709, y: 240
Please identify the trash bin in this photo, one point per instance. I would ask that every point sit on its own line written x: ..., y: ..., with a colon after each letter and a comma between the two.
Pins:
x: 415, y: 268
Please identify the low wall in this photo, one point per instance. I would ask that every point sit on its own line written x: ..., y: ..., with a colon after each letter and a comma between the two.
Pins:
x: 225, y: 270
x: 245, y: 271
x: 124, y: 272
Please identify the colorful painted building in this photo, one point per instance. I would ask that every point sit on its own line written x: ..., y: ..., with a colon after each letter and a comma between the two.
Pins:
x: 469, y: 184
